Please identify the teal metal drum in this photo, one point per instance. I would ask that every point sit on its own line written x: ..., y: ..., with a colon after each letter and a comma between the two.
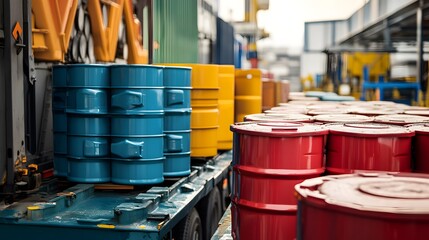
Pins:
x: 177, y: 120
x: 88, y: 170
x: 136, y: 76
x: 137, y: 171
x: 137, y: 125
x: 336, y: 98
x: 146, y: 147
x: 177, y: 141
x: 137, y: 100
x: 177, y: 76
x: 88, y: 76
x: 177, y: 164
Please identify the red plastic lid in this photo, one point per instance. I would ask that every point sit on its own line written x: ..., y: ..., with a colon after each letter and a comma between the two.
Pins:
x: 342, y: 118
x: 278, y: 117
x: 278, y: 129
x: 375, y: 192
x: 419, y: 128
x: 369, y: 130
x: 418, y: 112
x: 401, y: 119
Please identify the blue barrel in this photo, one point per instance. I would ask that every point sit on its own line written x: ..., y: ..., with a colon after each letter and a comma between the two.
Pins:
x: 177, y: 141
x: 88, y: 170
x: 177, y: 124
x: 177, y: 164
x: 137, y: 100
x: 177, y: 120
x: 137, y: 171
x: 88, y: 125
x: 137, y: 125
x: 146, y: 147
x: 136, y: 76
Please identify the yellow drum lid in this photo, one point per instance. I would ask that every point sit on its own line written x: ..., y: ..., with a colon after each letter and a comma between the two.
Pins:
x: 248, y: 82
x: 204, y: 118
x: 204, y: 142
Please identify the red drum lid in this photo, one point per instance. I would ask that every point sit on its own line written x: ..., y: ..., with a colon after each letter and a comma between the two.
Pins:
x: 369, y: 130
x: 342, y: 118
x: 278, y: 129
x: 401, y: 119
x: 376, y: 192
x: 278, y: 117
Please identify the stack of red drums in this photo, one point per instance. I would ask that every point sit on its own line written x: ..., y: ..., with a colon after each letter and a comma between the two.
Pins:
x: 269, y: 159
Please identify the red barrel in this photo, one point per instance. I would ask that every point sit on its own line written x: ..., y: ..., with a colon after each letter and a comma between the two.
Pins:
x: 368, y: 146
x: 342, y: 118
x: 401, y: 119
x: 421, y: 145
x: 278, y: 117
x: 366, y: 206
x: 269, y: 159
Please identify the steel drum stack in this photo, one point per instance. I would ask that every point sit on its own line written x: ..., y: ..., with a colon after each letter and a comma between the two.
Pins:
x: 137, y: 124
x: 177, y: 128
x: 59, y: 117
x: 88, y: 124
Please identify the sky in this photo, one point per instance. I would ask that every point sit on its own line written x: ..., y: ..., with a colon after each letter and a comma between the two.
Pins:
x: 285, y: 18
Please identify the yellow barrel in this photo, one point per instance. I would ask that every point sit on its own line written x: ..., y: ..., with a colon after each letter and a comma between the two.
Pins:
x: 248, y: 91
x: 226, y: 106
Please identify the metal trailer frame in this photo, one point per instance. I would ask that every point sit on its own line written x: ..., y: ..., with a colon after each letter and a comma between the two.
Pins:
x: 81, y: 212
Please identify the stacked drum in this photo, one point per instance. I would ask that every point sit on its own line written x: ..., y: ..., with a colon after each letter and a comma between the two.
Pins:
x: 248, y: 93
x: 137, y: 124
x: 177, y: 129
x: 421, y: 142
x: 268, y: 160
x: 205, y: 112
x: 88, y: 124
x: 59, y: 117
x: 226, y: 106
